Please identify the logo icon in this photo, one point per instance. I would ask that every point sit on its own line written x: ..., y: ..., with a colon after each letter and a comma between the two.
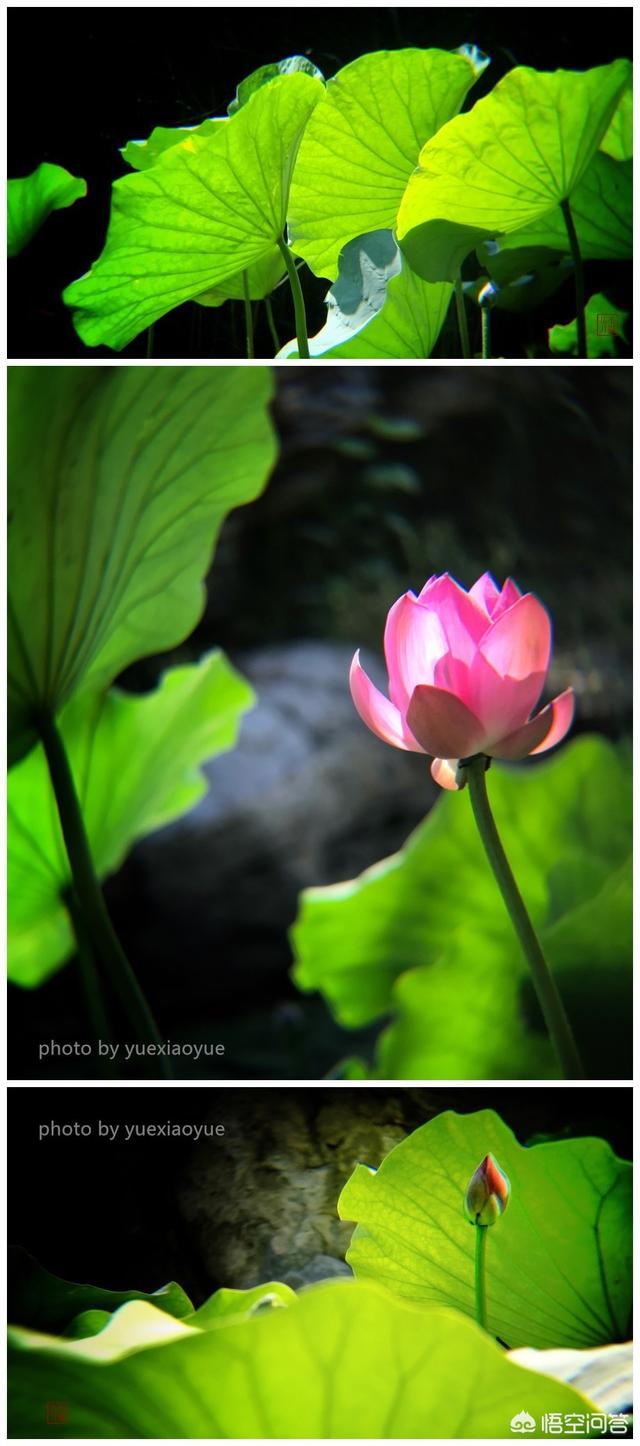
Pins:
x: 607, y: 325
x: 523, y: 1423
x: 56, y: 1413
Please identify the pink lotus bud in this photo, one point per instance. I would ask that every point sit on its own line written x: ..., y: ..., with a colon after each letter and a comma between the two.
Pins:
x: 466, y: 670
x: 488, y: 1193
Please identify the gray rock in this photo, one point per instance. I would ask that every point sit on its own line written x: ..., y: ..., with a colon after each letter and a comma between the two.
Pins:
x: 308, y: 796
x: 261, y: 1204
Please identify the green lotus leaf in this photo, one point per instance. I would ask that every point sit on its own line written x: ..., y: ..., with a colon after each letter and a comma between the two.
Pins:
x: 347, y: 1361
x: 262, y: 276
x: 142, y: 154
x: 558, y: 1261
x: 135, y: 760
x: 605, y: 324
x: 602, y: 210
x: 46, y: 1303
x: 377, y: 307
x: 589, y: 951
x: 225, y: 1305
x: 293, y: 65
x: 233, y: 1303
x: 517, y: 154
x: 363, y: 142
x: 424, y: 936
x: 30, y: 199
x: 119, y: 481
x: 88, y: 1323
x: 618, y: 139
x: 208, y: 208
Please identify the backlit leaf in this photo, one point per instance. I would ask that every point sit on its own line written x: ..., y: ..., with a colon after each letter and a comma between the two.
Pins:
x: 119, y: 480
x: 605, y: 324
x: 602, y: 210
x: 135, y: 762
x: 424, y: 935
x: 264, y: 274
x: 263, y: 277
x: 208, y: 208
x: 293, y: 65
x: 142, y: 154
x: 363, y: 142
x: 46, y: 1303
x: 517, y: 154
x: 558, y: 1262
x: 346, y: 1361
x: 618, y: 139
x: 30, y: 199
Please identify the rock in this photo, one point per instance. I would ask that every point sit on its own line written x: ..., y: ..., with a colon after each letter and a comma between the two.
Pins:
x: 308, y: 796
x: 262, y: 1204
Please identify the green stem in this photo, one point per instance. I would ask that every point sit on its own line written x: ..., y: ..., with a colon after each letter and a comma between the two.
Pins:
x: 248, y: 315
x: 271, y: 324
x: 298, y: 300
x: 88, y: 893
x: 579, y: 278
x: 96, y: 1007
x: 486, y: 332
x: 462, y: 320
x: 549, y: 999
x: 91, y: 985
x: 150, y: 331
x: 481, y: 1284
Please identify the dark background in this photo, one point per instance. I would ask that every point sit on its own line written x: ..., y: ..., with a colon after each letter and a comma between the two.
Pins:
x: 132, y: 1216
x: 385, y: 476
x: 90, y: 79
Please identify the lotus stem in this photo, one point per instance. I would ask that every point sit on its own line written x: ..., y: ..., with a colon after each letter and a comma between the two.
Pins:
x: 462, y: 320
x: 248, y: 315
x: 298, y: 300
x: 555, y: 1017
x: 88, y: 894
x: 579, y: 278
x: 480, y: 1280
x: 272, y: 326
x: 90, y: 980
x: 486, y: 332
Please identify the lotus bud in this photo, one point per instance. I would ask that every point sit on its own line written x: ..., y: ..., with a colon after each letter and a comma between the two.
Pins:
x: 487, y: 1194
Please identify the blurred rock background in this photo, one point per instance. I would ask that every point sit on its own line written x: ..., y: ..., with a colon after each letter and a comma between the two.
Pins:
x: 385, y: 476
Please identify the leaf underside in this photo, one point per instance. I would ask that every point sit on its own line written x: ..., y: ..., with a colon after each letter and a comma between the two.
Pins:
x: 119, y: 480
x: 558, y: 1260
x: 502, y: 166
x: 208, y: 208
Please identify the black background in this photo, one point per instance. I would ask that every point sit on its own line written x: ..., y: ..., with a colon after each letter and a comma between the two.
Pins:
x: 84, y: 81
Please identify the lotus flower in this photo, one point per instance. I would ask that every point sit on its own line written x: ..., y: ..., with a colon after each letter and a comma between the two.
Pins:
x: 466, y: 670
x: 487, y: 1193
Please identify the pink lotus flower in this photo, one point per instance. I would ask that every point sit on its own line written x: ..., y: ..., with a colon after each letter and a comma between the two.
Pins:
x: 466, y: 670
